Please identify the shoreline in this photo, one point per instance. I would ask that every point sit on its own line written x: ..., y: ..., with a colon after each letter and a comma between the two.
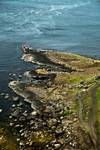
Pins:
x: 51, y: 89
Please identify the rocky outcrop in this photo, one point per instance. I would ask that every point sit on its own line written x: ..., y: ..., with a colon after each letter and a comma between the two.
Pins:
x: 59, y: 91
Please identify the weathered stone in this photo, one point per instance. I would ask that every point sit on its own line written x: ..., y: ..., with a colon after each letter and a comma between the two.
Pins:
x: 1, y: 110
x: 16, y: 98
x: 57, y: 146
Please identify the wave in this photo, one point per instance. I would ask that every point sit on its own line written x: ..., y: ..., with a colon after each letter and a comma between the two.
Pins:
x: 61, y: 7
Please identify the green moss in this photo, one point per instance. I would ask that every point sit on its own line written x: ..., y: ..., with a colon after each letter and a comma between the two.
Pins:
x: 75, y: 80
x: 66, y: 113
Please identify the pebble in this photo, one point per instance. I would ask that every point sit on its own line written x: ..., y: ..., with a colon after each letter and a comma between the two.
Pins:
x: 21, y: 131
x: 75, y: 119
x: 22, y: 134
x: 10, y: 117
x: 11, y: 124
x: 21, y: 143
x: 20, y: 76
x: 69, y: 133
x: 13, y: 105
x: 33, y: 113
x: 20, y: 104
x: 6, y: 96
x: 2, y: 94
x: 1, y: 110
x: 57, y: 146
x: 10, y: 74
x: 14, y: 74
x: 18, y: 139
x: 17, y: 125
x: 15, y: 98
x: 84, y: 90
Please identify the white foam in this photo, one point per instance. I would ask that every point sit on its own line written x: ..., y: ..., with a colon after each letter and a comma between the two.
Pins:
x: 61, y: 7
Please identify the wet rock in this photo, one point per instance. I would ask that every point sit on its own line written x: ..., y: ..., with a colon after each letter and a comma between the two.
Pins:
x: 2, y: 94
x: 6, y: 96
x: 1, y: 110
x: 16, y: 98
x: 13, y: 105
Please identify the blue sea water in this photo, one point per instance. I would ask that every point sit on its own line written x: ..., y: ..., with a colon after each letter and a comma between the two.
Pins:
x: 67, y: 25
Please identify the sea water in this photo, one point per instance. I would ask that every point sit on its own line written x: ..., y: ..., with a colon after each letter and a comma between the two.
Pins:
x: 66, y: 25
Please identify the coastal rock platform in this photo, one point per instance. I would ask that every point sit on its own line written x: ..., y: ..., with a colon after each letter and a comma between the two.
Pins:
x: 63, y: 92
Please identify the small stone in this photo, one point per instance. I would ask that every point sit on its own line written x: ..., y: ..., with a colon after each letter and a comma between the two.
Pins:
x: 22, y: 134
x: 15, y: 120
x: 16, y: 98
x: 20, y: 76
x: 18, y: 139
x: 2, y: 94
x: 20, y: 104
x: 10, y: 74
x: 21, y: 143
x: 13, y: 105
x: 70, y: 143
x: 33, y: 113
x: 14, y: 74
x: 57, y: 146
x: 21, y: 131
x: 1, y: 110
x: 17, y: 125
x: 69, y: 133
x: 11, y: 124
x: 75, y: 119
x: 30, y: 144
x: 10, y: 117
x: 84, y: 90
x: 62, y: 117
x: 6, y: 96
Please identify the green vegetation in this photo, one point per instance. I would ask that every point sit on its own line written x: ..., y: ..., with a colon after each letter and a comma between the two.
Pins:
x: 98, y: 111
x: 66, y: 113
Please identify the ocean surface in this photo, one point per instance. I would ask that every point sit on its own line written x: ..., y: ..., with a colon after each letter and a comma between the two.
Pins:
x: 66, y: 25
